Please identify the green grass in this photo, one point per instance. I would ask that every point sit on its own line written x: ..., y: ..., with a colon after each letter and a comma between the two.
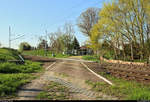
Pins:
x: 91, y: 58
x: 42, y: 53
x: 128, y: 90
x: 61, y: 56
x: 28, y: 67
x: 9, y: 83
x: 62, y: 74
x: 8, y: 54
x: 54, y: 91
x: 12, y: 75
x: 36, y: 52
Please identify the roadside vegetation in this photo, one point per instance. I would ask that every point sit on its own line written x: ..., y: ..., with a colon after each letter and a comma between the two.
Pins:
x: 42, y: 53
x: 28, y: 67
x: 12, y: 75
x: 128, y: 90
x: 9, y: 83
x: 8, y: 54
x: 119, y: 30
x: 54, y: 91
x: 91, y: 58
x: 60, y: 44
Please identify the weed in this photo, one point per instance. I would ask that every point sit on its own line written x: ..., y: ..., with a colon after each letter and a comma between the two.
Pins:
x: 54, y: 91
x: 91, y: 58
x: 42, y: 53
x: 28, y: 67
x: 123, y: 89
x: 9, y: 83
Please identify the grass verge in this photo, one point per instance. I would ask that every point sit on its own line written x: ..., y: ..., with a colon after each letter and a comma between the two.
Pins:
x: 13, y: 75
x: 42, y: 53
x: 9, y: 83
x: 8, y: 54
x: 54, y: 91
x: 28, y: 67
x: 91, y: 58
x: 128, y: 90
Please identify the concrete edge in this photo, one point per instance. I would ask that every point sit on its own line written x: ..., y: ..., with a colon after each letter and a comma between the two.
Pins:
x: 47, y: 68
x: 110, y: 83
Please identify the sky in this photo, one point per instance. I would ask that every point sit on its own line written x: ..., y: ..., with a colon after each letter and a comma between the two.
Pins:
x: 32, y: 17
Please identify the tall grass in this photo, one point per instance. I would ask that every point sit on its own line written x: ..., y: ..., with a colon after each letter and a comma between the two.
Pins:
x: 28, y: 67
x: 91, y: 58
x: 42, y: 53
x: 8, y: 54
x: 12, y: 76
x: 129, y: 90
x: 9, y: 83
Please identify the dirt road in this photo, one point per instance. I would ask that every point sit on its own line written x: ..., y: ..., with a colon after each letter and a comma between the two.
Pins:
x: 70, y: 73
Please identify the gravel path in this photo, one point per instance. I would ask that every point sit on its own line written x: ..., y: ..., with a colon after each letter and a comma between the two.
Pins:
x: 78, y: 90
x: 75, y: 71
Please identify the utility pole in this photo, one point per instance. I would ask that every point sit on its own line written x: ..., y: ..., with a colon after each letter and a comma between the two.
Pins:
x: 12, y: 39
x: 9, y: 37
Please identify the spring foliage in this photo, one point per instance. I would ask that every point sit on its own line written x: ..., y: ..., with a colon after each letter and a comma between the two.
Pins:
x: 124, y: 22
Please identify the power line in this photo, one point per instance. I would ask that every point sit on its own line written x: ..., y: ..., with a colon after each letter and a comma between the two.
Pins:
x: 10, y: 35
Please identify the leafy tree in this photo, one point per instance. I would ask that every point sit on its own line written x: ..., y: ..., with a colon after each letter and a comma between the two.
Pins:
x: 24, y: 46
x: 76, y: 45
x: 42, y: 44
x: 124, y: 22
x: 62, y: 40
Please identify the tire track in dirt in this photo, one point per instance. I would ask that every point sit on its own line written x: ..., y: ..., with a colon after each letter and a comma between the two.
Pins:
x: 75, y: 81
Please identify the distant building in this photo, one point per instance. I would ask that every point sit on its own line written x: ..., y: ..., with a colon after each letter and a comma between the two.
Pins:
x: 84, y: 50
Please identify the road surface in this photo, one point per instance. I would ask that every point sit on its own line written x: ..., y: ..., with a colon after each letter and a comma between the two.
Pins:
x: 69, y: 72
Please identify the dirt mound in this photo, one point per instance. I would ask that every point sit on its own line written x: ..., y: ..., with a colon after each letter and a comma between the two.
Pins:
x: 122, y: 62
x: 129, y: 72
x: 39, y: 59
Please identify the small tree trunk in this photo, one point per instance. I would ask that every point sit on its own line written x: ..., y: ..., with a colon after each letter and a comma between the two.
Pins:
x: 149, y: 59
x: 115, y: 53
x: 124, y: 54
x: 132, y: 58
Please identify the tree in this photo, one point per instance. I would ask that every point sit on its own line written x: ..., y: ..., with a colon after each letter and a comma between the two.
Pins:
x: 124, y: 22
x: 68, y: 36
x: 76, y: 45
x: 42, y: 44
x: 24, y: 46
x: 87, y: 19
x: 62, y: 40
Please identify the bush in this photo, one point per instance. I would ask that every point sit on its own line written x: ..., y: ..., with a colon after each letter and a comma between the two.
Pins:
x: 9, y: 68
x: 9, y: 83
x: 42, y: 53
x: 91, y: 58
x: 24, y: 46
x: 28, y: 67
x: 108, y: 55
x: 8, y: 54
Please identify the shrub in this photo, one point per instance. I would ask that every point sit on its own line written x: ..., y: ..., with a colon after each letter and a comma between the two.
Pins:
x: 91, y: 58
x: 24, y: 46
x: 28, y: 67
x: 9, y: 68
x: 9, y: 83
x: 8, y: 54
